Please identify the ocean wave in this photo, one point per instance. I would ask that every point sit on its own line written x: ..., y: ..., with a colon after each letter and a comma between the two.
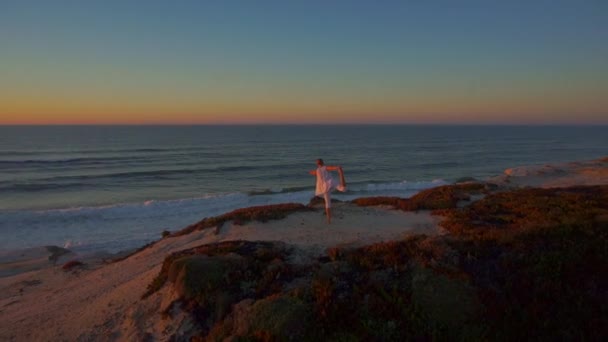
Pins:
x: 18, y: 153
x: 84, y: 160
x: 124, y: 150
x: 39, y: 187
x: 114, y: 227
x: 126, y: 175
x: 278, y: 190
x: 154, y: 173
x: 236, y: 168
x: 73, y: 158
x: 361, y: 187
x: 233, y: 199
x: 66, y: 182
x: 148, y: 204
x: 121, y: 226
x: 94, y: 180
x: 436, y: 165
x: 230, y: 201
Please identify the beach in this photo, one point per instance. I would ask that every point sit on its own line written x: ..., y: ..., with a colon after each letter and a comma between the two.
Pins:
x: 303, y: 171
x: 101, y: 299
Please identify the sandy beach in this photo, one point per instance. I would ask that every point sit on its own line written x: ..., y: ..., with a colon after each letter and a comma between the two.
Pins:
x: 593, y: 172
x: 101, y: 300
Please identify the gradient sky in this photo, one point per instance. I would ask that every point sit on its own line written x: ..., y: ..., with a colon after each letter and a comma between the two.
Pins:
x: 537, y: 62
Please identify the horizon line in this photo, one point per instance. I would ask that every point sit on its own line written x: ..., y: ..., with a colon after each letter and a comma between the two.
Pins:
x: 299, y: 124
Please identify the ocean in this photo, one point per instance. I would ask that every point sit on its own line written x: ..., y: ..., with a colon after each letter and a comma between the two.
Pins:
x: 112, y: 188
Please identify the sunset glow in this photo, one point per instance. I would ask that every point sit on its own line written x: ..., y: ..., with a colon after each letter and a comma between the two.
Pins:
x: 121, y: 62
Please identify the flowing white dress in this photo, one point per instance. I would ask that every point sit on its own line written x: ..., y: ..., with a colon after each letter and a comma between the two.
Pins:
x: 326, y: 183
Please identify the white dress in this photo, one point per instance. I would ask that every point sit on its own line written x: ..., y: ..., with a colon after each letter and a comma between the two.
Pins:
x: 325, y: 182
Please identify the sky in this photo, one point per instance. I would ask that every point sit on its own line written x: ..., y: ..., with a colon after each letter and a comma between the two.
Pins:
x: 206, y: 62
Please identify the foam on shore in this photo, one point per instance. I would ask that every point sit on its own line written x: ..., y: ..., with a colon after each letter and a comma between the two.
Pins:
x: 119, y: 227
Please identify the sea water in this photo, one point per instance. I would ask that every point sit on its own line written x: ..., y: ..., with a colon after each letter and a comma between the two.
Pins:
x: 110, y: 188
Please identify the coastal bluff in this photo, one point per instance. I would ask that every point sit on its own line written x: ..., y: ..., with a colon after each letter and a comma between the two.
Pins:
x: 518, y: 256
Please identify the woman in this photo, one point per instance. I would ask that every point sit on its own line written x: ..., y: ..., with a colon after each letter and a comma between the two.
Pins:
x: 326, y: 184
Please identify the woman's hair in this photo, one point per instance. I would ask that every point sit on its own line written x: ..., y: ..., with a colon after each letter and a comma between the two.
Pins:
x: 320, y: 162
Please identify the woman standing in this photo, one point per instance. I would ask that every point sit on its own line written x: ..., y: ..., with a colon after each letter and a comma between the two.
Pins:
x: 326, y: 184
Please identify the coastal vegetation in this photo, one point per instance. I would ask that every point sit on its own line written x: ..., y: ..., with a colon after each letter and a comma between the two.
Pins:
x: 441, y: 197
x: 513, y: 264
x: 261, y: 213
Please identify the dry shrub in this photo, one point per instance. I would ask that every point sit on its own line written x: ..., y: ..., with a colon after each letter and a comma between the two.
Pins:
x: 261, y: 213
x: 525, y: 209
x: 376, y: 201
x: 537, y: 257
x: 441, y: 197
x: 256, y: 255
x: 532, y: 261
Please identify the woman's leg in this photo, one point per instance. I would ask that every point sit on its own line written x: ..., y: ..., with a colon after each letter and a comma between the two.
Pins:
x: 327, y: 206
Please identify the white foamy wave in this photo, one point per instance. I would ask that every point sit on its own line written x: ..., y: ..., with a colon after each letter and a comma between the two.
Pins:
x: 69, y: 244
x: 110, y: 227
x: 113, y: 228
x: 405, y: 186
